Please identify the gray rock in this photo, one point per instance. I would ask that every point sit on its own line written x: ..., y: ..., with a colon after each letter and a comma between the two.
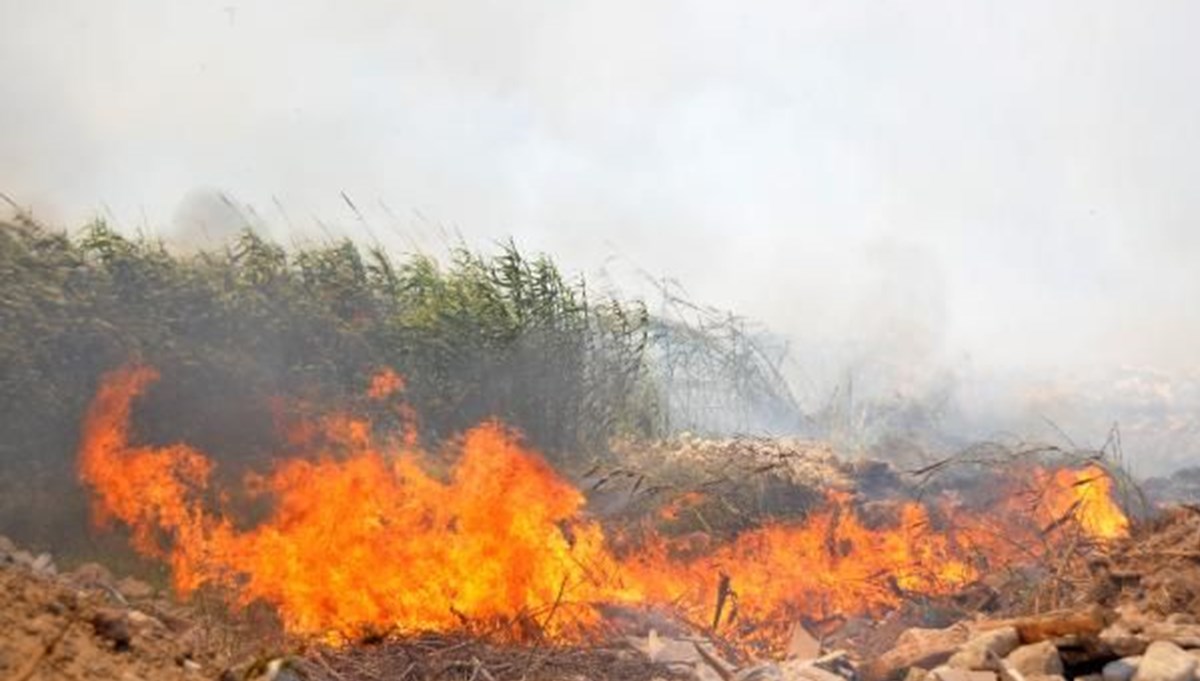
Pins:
x: 1037, y: 659
x: 1122, y: 669
x: 1165, y: 661
x: 44, y: 564
x: 6, y: 545
x: 974, y: 653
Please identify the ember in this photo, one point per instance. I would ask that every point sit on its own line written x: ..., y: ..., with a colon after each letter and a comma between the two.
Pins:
x: 363, y: 536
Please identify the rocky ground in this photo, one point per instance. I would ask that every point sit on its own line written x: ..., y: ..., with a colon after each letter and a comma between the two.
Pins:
x: 87, y: 625
x: 1131, y: 612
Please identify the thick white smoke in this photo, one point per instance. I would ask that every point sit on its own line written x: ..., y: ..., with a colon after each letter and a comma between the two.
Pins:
x: 998, y: 191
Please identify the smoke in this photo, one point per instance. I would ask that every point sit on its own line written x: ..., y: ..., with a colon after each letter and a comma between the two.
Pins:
x: 998, y: 191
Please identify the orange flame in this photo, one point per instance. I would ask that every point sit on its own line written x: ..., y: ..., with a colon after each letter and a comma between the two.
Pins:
x: 362, y: 536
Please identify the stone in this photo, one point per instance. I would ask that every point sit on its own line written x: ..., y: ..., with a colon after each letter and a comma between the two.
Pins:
x: 974, y: 654
x: 90, y: 574
x: 799, y: 671
x: 134, y: 588
x: 1122, y: 669
x: 1181, y: 618
x: 946, y: 673
x: 1182, y: 635
x: 1123, y: 641
x: 6, y: 545
x: 839, y: 663
x: 44, y: 564
x: 683, y: 654
x: 1037, y: 659
x: 924, y: 648
x: 1165, y: 661
x: 803, y: 645
x: 113, y: 627
x: 141, y: 621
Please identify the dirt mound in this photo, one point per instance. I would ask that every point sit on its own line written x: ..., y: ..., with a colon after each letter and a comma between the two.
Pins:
x: 84, y: 626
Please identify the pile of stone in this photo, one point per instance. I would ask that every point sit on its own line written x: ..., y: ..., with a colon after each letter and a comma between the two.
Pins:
x: 42, y: 563
x: 1095, y: 644
x: 698, y: 658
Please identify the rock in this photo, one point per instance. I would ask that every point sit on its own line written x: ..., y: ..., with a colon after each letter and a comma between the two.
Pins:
x: 837, y: 662
x: 22, y: 557
x: 974, y: 653
x: 1122, y: 669
x: 90, y: 574
x: 916, y: 674
x: 684, y: 654
x: 112, y: 626
x: 141, y: 621
x: 1182, y: 635
x: 44, y: 564
x: 134, y: 588
x: 1165, y: 661
x: 1123, y: 641
x: 1036, y: 659
x: 6, y: 545
x: 767, y: 671
x: 952, y: 674
x: 803, y: 646
x: 799, y: 671
x: 924, y: 648
x: 1181, y: 618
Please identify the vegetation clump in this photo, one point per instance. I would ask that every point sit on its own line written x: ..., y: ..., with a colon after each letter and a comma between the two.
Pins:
x: 503, y: 336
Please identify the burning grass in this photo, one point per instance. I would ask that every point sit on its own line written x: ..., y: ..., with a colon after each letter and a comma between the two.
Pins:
x: 366, y: 534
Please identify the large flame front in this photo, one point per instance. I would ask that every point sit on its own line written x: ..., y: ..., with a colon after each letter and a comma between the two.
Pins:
x: 361, y: 536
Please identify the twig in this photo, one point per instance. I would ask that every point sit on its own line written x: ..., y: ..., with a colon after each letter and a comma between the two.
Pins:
x: 554, y: 608
x: 480, y: 670
x: 715, y: 662
x: 320, y: 659
x: 723, y: 591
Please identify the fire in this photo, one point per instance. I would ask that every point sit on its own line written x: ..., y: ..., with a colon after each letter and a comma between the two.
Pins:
x: 367, y: 533
x: 1086, y: 495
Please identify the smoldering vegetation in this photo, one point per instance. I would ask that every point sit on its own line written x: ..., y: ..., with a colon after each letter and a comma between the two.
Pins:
x: 231, y: 329
x: 584, y: 375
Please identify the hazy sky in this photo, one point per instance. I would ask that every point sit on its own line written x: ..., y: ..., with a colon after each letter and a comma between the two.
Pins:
x: 1007, y: 181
